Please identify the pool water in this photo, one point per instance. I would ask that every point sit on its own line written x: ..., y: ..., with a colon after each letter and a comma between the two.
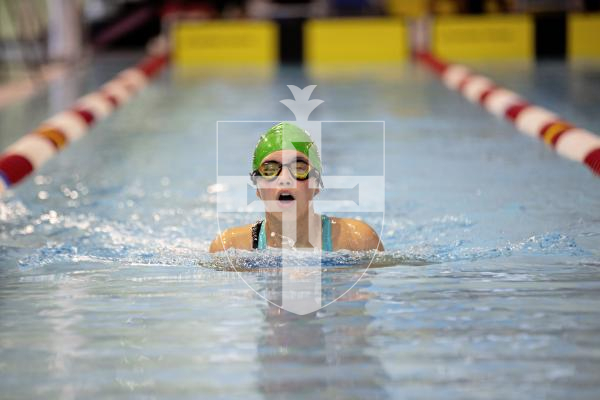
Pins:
x: 489, y: 287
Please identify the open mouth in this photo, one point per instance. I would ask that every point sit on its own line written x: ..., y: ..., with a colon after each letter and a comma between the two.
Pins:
x: 286, y: 197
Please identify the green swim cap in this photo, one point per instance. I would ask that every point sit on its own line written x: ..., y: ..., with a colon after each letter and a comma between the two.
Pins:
x: 286, y: 136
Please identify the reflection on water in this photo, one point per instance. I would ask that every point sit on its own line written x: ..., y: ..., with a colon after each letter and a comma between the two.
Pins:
x: 321, y: 355
x: 64, y: 317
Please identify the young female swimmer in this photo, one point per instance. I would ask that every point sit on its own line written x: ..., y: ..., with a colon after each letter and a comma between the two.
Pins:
x: 286, y: 169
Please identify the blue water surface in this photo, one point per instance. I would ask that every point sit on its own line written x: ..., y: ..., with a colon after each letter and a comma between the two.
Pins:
x: 489, y: 287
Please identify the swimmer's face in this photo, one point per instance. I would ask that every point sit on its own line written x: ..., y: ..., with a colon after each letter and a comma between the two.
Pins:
x: 284, y: 193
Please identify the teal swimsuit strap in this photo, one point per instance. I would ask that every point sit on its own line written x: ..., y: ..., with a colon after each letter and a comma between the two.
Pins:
x: 326, y: 242
x: 326, y: 233
x: 262, y: 237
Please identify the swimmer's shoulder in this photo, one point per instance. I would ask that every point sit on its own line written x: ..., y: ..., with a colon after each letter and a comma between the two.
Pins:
x: 353, y: 234
x: 239, y: 237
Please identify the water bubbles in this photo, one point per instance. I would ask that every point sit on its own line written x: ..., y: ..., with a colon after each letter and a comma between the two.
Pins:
x: 42, y: 180
x: 42, y: 195
x: 242, y: 260
x: 51, y: 217
x: 69, y: 193
x: 12, y: 211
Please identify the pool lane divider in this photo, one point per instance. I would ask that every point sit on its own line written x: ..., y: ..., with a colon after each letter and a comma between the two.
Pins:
x: 35, y: 148
x: 565, y: 138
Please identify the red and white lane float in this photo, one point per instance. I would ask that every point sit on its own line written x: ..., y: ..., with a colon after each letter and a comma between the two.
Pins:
x: 31, y: 151
x: 568, y: 141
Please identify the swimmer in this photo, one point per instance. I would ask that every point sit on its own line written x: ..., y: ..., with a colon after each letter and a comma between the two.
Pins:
x: 286, y: 169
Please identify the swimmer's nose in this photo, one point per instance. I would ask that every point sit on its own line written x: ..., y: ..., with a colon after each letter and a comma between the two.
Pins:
x: 285, y: 177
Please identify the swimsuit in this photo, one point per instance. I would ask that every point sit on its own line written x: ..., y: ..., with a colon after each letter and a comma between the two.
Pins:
x: 259, y: 236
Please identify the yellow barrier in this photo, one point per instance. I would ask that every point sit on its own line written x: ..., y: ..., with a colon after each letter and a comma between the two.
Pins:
x: 355, y: 40
x: 225, y: 42
x: 463, y: 38
x: 583, y: 33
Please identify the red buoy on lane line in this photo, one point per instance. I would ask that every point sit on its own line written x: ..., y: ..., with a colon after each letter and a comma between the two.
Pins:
x: 568, y: 141
x: 31, y: 151
x: 13, y: 168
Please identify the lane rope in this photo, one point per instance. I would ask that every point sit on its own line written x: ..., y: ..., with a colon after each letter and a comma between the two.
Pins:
x: 30, y: 152
x: 566, y: 139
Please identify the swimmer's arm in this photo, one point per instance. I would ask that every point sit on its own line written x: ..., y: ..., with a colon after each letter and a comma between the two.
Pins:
x: 358, y: 236
x: 216, y: 245
x: 237, y: 238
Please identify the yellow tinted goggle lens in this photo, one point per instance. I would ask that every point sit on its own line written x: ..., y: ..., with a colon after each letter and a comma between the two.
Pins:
x: 271, y: 169
x: 300, y: 169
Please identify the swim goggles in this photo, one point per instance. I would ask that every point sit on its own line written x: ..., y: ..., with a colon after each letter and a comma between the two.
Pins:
x: 299, y: 169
